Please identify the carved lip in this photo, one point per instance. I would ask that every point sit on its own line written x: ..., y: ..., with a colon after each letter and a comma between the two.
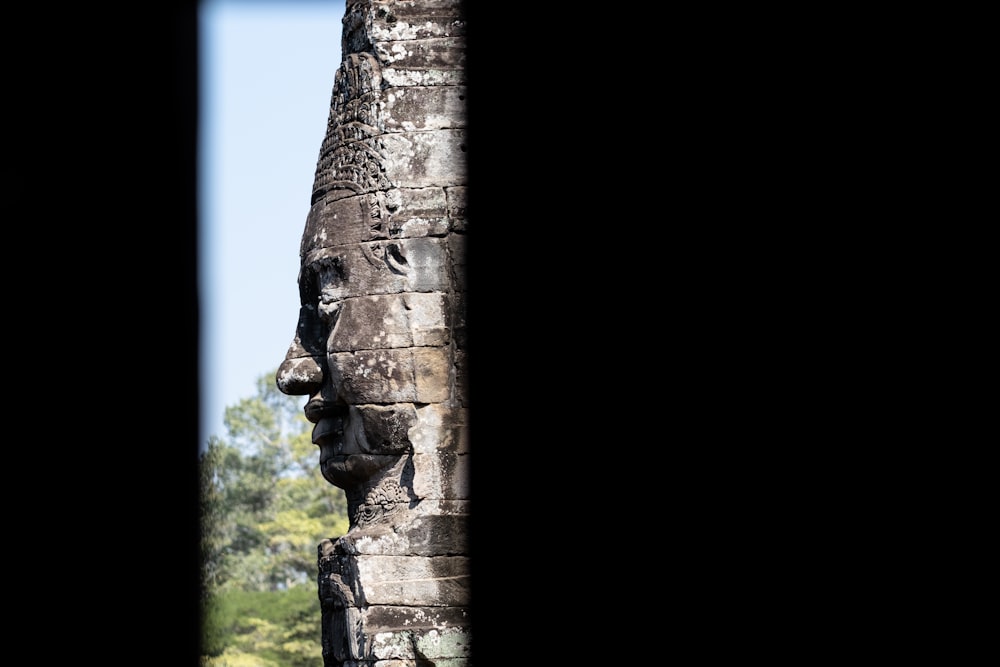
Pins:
x: 317, y: 409
x: 326, y: 428
x: 354, y: 466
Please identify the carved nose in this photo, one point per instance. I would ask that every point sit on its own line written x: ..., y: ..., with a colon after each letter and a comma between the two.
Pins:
x: 301, y: 373
x: 300, y: 376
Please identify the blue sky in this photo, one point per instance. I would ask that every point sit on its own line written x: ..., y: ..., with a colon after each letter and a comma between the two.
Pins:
x: 266, y: 74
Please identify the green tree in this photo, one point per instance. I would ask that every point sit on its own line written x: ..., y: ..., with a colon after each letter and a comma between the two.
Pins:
x: 264, y: 629
x: 265, y: 507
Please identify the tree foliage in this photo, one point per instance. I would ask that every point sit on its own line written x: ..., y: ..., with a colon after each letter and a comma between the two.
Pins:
x: 263, y: 629
x: 264, y: 509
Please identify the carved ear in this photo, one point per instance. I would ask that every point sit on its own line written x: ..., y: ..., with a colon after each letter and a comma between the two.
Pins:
x: 396, y: 260
x: 389, y: 255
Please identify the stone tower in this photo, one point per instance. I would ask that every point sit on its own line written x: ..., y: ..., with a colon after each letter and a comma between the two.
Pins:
x: 379, y: 349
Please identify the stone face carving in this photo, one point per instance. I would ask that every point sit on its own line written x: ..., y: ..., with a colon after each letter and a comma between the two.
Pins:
x: 379, y: 348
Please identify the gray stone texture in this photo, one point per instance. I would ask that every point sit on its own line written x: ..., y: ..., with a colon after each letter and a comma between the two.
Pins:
x: 379, y: 348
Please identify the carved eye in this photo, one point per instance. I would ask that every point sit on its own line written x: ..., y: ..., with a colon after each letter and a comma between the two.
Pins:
x: 326, y: 284
x: 329, y: 312
x: 329, y: 274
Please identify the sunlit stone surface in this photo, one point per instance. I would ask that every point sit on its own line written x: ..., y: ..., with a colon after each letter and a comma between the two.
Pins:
x: 379, y: 348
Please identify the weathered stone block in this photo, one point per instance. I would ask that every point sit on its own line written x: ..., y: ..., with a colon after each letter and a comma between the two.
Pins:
x: 432, y: 374
x: 336, y: 222
x: 441, y: 474
x: 390, y: 321
x: 423, y: 159
x: 424, y: 108
x: 441, y: 54
x: 414, y: 10
x: 443, y: 416
x: 461, y: 441
x: 426, y: 535
x: 457, y: 207
x: 440, y: 428
x: 440, y: 662
x: 409, y: 19
x: 421, y: 212
x: 438, y: 535
x: 385, y: 618
x: 427, y: 314
x: 428, y: 439
x: 462, y: 377
x: 371, y: 323
x: 456, y: 248
x: 386, y: 427
x: 374, y: 376
x: 405, y: 375
x: 426, y: 645
x: 442, y: 581
x: 406, y: 77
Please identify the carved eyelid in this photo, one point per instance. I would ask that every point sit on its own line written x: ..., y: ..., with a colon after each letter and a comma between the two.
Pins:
x: 326, y: 273
x: 320, y: 271
x: 329, y: 311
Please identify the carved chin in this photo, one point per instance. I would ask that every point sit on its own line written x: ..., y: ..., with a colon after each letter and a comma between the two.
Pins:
x: 344, y: 471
